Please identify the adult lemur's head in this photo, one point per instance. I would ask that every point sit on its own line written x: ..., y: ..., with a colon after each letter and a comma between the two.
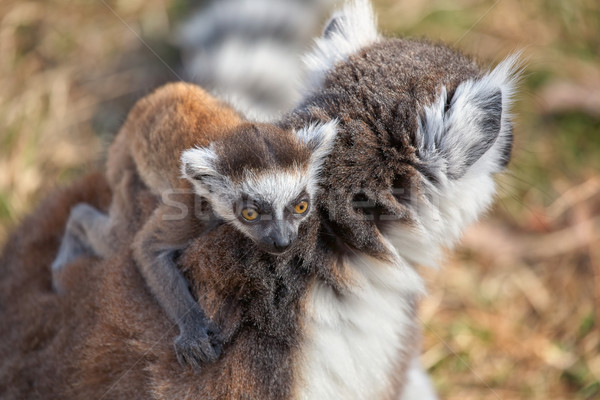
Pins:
x: 262, y: 179
x: 422, y: 129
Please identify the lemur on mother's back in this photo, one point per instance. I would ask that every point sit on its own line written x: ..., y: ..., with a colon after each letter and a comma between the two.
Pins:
x: 256, y: 177
x: 421, y: 130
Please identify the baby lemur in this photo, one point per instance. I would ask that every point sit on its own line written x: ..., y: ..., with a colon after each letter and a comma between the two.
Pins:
x: 255, y: 177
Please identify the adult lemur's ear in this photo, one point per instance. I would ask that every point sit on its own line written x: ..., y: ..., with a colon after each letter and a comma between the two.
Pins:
x: 348, y: 30
x: 335, y: 26
x: 320, y: 139
x: 198, y: 165
x: 462, y: 141
x: 471, y: 131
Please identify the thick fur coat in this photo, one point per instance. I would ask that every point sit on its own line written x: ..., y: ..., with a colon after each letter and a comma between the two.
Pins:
x: 422, y: 130
x: 106, y: 337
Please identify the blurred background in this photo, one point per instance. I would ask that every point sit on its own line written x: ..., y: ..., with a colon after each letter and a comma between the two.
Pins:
x: 513, y: 312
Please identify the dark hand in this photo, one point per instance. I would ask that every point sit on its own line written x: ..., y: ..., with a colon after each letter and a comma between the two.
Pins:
x: 198, y: 343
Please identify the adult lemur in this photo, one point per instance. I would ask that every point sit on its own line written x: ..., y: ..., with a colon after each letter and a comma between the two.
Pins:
x: 421, y: 131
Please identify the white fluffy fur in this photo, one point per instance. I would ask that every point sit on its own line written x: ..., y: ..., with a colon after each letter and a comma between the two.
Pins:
x: 354, y: 339
x: 356, y: 28
x: 418, y: 385
x: 278, y: 187
x: 453, y: 131
x: 452, y: 204
x: 201, y: 160
x: 218, y: 189
x: 320, y: 138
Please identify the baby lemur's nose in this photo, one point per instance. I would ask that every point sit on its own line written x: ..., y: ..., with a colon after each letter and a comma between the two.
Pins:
x: 281, y: 243
x: 279, y: 239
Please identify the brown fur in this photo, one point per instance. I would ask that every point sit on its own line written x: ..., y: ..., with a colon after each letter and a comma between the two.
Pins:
x: 158, y: 129
x: 38, y: 328
x: 160, y: 126
x: 377, y: 97
x: 108, y: 337
x: 255, y: 298
x: 259, y: 148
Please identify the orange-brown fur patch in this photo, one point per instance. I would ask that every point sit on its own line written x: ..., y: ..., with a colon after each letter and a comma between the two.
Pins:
x: 160, y: 126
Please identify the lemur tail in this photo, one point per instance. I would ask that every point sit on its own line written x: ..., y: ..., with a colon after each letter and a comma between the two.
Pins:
x: 248, y: 52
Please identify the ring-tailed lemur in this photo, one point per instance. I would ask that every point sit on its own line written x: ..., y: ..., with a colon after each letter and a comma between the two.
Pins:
x: 238, y: 49
x: 255, y: 177
x: 422, y: 130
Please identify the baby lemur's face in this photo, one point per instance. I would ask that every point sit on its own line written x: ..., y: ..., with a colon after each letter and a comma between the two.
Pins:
x: 262, y: 179
x: 269, y: 206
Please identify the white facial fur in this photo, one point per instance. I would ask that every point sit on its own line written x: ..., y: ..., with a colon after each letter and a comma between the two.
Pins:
x: 276, y: 186
x: 279, y: 188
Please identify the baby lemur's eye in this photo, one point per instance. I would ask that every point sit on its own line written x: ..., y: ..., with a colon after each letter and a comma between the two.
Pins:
x: 249, y: 214
x: 301, y: 207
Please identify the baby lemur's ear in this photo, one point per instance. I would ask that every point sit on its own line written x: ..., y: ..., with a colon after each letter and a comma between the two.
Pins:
x: 320, y: 139
x: 198, y: 165
x: 470, y: 132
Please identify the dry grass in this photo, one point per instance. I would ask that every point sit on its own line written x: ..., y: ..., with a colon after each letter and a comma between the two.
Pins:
x: 513, y: 313
x: 68, y: 73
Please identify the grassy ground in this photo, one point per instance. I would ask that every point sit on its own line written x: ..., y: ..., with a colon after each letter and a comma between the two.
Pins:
x: 514, y: 312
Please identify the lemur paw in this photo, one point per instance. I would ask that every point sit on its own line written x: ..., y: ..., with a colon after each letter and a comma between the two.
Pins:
x: 197, y: 347
x: 71, y: 248
x: 74, y: 244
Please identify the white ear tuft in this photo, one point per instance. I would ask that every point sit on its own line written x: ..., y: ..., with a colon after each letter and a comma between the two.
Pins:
x: 198, y: 165
x: 462, y: 141
x: 348, y: 30
x: 320, y: 139
x: 473, y: 131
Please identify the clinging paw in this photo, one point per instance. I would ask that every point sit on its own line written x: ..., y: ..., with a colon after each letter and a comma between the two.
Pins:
x: 198, y: 346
